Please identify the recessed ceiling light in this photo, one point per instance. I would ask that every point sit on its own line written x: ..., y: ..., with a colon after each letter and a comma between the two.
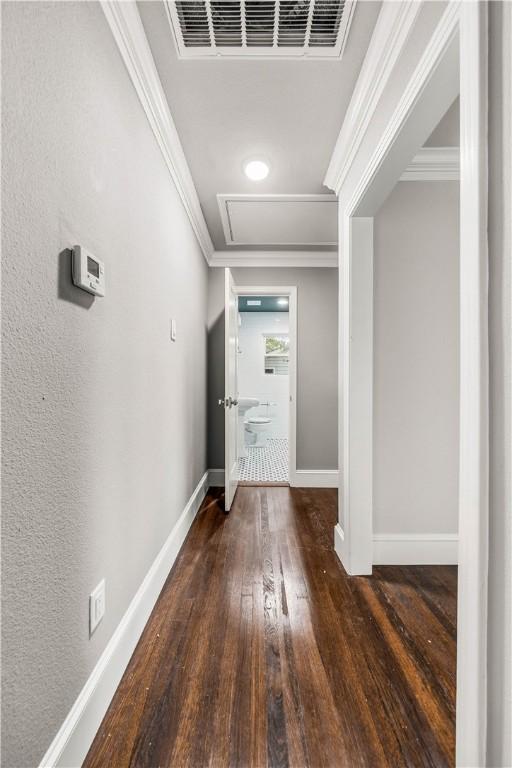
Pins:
x: 256, y: 170
x: 282, y: 302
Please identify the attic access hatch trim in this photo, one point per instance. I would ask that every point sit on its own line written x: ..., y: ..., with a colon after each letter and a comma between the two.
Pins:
x: 280, y: 221
x: 272, y: 29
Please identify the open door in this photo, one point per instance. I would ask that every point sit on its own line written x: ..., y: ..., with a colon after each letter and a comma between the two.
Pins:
x: 231, y: 390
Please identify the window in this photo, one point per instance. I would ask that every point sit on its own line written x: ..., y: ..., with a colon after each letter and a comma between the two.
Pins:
x: 277, y: 353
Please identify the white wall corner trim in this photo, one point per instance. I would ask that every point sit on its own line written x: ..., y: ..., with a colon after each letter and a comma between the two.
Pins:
x: 76, y: 734
x: 125, y: 23
x: 339, y: 543
x: 315, y: 478
x: 274, y: 259
x: 415, y: 549
x: 434, y: 80
x: 434, y: 164
x: 391, y: 32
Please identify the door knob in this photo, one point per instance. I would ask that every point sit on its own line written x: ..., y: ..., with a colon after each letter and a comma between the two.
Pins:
x: 228, y: 402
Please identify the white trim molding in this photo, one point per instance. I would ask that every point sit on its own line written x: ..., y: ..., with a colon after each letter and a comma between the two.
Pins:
x: 434, y: 164
x: 75, y: 736
x: 391, y: 32
x: 356, y: 358
x: 472, y: 595
x: 339, y: 543
x: 315, y: 478
x: 125, y: 23
x: 432, y: 88
x: 415, y: 549
x: 274, y: 259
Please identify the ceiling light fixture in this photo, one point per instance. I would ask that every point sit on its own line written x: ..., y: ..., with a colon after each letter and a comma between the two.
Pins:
x: 256, y: 170
x: 282, y: 302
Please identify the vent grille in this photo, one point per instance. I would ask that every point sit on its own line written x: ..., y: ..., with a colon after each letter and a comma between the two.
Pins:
x: 268, y: 28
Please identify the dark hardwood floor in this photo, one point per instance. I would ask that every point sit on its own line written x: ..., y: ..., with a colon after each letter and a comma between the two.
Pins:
x: 262, y: 652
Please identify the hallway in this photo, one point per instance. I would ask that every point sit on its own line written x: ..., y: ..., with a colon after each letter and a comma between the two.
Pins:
x: 260, y: 651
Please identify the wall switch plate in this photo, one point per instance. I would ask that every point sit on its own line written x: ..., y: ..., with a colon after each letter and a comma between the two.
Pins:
x: 173, y: 329
x: 96, y: 606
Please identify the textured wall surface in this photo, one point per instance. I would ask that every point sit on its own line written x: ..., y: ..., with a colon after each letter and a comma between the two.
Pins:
x: 317, y: 360
x: 416, y: 359
x: 104, y: 418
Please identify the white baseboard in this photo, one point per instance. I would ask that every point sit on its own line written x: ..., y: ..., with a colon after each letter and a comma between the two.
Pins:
x: 76, y: 734
x: 302, y: 478
x: 315, y: 478
x: 415, y: 549
x: 216, y: 478
x: 339, y: 542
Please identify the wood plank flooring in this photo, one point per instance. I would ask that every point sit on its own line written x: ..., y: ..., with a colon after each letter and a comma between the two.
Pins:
x: 262, y: 652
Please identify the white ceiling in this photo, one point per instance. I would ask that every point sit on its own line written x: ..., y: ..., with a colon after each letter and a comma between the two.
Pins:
x: 287, y: 111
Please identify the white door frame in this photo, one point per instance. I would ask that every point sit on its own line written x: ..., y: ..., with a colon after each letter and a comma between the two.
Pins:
x: 230, y: 400
x: 291, y: 292
x: 455, y: 56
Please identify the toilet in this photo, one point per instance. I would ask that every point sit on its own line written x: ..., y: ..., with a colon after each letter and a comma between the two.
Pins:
x: 256, y: 428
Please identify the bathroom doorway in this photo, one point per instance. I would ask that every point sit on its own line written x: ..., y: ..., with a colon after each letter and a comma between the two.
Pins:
x: 266, y: 361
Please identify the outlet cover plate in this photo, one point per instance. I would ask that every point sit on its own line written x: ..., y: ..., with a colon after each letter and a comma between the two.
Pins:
x: 96, y: 606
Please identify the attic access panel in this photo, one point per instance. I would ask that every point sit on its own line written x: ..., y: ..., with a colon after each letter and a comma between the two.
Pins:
x: 315, y: 29
x: 279, y: 220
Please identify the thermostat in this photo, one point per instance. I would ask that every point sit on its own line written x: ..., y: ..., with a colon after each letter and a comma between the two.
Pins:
x: 88, y: 271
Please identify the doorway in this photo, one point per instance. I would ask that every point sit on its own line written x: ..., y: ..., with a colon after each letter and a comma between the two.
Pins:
x: 264, y: 389
x: 267, y: 332
x: 460, y: 38
x: 264, y: 333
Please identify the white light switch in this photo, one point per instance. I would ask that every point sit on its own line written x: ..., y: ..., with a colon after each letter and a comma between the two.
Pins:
x: 96, y: 606
x: 173, y: 329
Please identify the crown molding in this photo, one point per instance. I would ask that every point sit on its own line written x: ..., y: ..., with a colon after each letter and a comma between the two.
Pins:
x: 274, y: 259
x: 442, y: 47
x: 126, y: 26
x: 390, y: 35
x: 434, y: 164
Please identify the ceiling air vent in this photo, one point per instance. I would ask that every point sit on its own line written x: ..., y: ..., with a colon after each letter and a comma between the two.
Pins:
x: 260, y: 28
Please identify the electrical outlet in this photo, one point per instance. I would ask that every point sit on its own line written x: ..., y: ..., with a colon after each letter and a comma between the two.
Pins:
x: 96, y: 606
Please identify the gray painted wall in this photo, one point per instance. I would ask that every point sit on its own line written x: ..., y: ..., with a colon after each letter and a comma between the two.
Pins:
x: 447, y: 133
x: 499, y: 724
x: 104, y: 418
x: 317, y: 360
x: 416, y: 359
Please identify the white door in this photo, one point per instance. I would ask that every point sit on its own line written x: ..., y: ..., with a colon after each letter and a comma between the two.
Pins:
x: 231, y: 390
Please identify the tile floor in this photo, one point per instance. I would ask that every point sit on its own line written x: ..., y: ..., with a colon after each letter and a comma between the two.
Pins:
x: 266, y: 465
